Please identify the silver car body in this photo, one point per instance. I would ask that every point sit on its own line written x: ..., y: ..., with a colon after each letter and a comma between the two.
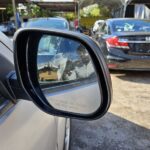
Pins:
x: 23, y: 126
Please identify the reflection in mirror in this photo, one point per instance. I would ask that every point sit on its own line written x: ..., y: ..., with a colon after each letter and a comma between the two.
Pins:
x: 67, y: 76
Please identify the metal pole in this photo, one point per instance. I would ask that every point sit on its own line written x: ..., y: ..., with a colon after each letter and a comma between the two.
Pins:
x: 14, y: 10
x: 78, y: 13
x: 124, y: 10
x: 125, y: 4
x: 75, y: 9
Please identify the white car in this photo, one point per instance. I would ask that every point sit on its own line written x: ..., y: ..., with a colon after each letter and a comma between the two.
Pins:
x: 97, y: 25
x: 22, y: 125
x: 29, y: 105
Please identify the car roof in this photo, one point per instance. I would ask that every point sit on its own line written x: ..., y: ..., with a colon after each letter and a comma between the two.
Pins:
x: 49, y: 18
x: 121, y: 19
x: 99, y: 21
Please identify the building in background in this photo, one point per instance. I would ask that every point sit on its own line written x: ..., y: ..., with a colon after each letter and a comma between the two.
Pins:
x: 133, y: 9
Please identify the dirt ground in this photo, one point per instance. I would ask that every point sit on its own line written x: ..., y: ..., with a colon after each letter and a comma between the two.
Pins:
x: 127, y: 124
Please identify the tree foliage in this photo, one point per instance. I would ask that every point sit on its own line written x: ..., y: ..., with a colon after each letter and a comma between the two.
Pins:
x: 110, y: 4
x: 95, y: 11
x: 9, y: 10
x: 105, y: 13
x: 33, y: 10
x: 30, y: 11
x: 70, y: 16
x: 92, y: 10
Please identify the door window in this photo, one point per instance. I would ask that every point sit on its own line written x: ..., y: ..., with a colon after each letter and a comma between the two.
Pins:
x: 104, y: 29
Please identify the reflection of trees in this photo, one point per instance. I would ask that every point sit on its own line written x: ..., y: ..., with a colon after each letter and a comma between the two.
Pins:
x: 80, y: 68
x: 71, y: 62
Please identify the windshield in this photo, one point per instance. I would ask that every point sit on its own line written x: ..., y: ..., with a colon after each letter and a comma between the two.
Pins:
x: 47, y: 23
x: 131, y: 26
x: 2, y: 27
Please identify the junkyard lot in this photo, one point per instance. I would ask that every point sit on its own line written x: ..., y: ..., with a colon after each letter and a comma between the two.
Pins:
x: 127, y: 124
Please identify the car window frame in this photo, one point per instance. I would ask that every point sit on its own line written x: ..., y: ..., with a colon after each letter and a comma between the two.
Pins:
x: 7, y: 103
x: 104, y: 28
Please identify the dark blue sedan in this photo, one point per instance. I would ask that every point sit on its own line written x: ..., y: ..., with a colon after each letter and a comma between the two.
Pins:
x: 126, y: 43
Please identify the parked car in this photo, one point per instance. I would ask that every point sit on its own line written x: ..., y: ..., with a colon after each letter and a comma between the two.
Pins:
x: 51, y: 22
x: 97, y: 25
x: 24, y: 126
x: 8, y: 28
x: 126, y: 43
x: 53, y: 132
x: 21, y: 120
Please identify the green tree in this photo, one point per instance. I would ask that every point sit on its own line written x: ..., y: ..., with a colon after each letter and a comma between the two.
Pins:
x: 9, y: 11
x: 104, y: 12
x: 95, y: 12
x: 90, y: 11
x: 31, y: 11
x: 70, y: 16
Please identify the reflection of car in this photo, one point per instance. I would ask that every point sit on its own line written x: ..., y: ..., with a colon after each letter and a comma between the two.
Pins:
x: 126, y: 43
x: 7, y: 28
x: 56, y: 23
x: 47, y: 51
x: 57, y: 52
x: 21, y: 120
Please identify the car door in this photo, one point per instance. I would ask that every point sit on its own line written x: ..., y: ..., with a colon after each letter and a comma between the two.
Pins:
x: 22, y: 125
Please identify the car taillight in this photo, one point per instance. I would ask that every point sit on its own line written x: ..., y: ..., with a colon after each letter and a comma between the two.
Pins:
x: 114, y: 42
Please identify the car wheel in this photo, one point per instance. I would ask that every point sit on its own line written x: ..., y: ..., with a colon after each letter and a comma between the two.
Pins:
x: 67, y: 135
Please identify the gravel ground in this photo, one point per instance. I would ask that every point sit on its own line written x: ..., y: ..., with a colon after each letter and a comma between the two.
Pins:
x: 127, y: 124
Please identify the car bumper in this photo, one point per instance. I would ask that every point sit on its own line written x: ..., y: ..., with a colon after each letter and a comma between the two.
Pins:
x: 120, y: 63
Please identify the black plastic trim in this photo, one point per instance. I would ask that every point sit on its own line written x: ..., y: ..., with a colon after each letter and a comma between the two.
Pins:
x: 25, y: 63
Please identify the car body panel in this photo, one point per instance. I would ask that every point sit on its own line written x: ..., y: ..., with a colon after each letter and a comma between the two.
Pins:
x: 23, y: 126
x: 27, y: 128
x: 61, y: 122
x: 9, y: 44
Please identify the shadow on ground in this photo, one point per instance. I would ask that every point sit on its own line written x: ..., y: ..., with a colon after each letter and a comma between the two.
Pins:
x: 109, y: 133
x: 133, y: 76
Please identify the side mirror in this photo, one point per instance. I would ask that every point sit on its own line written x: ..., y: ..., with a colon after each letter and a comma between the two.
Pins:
x: 63, y: 72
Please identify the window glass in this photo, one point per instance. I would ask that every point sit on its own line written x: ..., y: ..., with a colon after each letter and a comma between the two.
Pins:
x: 47, y: 23
x: 104, y: 29
x: 61, y: 59
x: 131, y: 25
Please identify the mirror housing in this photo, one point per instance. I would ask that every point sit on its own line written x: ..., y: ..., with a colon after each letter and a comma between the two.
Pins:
x: 25, y: 45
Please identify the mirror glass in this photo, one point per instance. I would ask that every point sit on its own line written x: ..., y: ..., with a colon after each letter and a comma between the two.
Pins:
x: 67, y: 76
